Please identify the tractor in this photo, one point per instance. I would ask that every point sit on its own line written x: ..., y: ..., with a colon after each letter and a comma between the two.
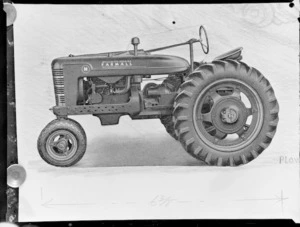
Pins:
x: 223, y: 112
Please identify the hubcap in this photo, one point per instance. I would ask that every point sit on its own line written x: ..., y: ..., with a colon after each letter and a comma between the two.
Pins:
x: 61, y: 145
x: 229, y: 115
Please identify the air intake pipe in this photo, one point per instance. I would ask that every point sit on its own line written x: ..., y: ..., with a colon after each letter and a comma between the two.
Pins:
x: 135, y: 41
x: 158, y: 90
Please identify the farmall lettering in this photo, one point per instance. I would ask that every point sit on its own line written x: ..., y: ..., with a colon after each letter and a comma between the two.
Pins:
x: 115, y: 64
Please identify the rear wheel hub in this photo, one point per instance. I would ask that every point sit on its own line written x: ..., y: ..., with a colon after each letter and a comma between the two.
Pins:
x: 229, y: 115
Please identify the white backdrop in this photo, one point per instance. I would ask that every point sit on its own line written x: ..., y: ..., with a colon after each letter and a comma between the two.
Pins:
x: 135, y: 170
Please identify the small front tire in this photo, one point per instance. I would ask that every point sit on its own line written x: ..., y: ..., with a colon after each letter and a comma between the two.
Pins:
x: 62, y: 143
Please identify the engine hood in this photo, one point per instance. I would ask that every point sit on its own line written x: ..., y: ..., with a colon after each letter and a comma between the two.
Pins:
x: 123, y: 63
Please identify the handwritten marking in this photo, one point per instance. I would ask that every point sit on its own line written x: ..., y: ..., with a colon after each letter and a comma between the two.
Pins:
x: 165, y: 201
x: 280, y: 199
x: 49, y: 204
x: 161, y: 200
x: 277, y: 199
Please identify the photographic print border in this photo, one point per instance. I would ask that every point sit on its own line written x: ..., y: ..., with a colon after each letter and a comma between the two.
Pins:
x: 9, y: 196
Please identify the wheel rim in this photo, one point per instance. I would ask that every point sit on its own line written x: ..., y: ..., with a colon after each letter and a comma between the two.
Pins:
x: 61, y: 145
x: 233, y: 118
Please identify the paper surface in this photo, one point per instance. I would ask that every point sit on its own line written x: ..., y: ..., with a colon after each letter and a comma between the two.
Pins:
x: 135, y: 170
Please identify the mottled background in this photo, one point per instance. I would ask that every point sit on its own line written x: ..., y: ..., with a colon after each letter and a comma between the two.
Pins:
x: 269, y: 35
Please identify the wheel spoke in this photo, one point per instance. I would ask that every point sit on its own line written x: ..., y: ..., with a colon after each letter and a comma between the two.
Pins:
x: 215, y: 96
x: 66, y: 137
x: 236, y: 93
x: 205, y: 117
x: 60, y: 150
x: 240, y: 132
x: 65, y: 153
x: 210, y: 129
x: 249, y: 111
x: 219, y: 134
x: 53, y: 144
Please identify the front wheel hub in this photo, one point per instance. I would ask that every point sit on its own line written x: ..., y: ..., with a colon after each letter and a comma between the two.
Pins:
x: 62, y: 145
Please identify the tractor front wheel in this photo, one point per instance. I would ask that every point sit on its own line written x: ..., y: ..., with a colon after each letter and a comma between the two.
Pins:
x: 226, y: 113
x: 62, y: 142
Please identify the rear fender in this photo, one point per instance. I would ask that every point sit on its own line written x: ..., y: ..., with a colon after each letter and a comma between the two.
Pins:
x: 235, y: 54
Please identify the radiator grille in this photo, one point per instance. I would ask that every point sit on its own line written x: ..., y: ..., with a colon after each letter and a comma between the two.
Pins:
x: 59, y: 87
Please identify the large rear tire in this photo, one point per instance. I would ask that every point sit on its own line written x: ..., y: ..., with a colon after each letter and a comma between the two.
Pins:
x: 241, y: 121
x: 62, y: 142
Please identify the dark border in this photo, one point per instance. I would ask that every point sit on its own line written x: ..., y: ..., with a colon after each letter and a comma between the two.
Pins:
x: 160, y: 223
x: 9, y: 197
x: 9, y: 122
x: 145, y: 1
x: 3, y: 121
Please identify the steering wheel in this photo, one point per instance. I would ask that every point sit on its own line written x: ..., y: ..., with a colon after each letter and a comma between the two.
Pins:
x: 203, y: 39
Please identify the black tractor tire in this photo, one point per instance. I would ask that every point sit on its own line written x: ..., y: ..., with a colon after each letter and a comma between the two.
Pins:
x: 71, y: 134
x: 172, y: 82
x: 187, y: 123
x: 167, y: 121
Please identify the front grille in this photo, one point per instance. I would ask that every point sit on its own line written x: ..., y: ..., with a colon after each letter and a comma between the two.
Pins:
x: 59, y: 87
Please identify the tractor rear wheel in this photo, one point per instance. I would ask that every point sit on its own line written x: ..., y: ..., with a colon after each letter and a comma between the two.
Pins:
x: 241, y: 119
x: 62, y: 142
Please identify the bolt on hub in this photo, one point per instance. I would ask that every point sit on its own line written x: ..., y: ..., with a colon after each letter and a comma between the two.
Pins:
x: 229, y: 115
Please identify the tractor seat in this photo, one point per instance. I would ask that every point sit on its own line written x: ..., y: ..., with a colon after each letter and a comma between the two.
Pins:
x: 234, y: 54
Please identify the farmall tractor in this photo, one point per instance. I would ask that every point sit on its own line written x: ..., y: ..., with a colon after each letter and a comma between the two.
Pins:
x: 223, y: 112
